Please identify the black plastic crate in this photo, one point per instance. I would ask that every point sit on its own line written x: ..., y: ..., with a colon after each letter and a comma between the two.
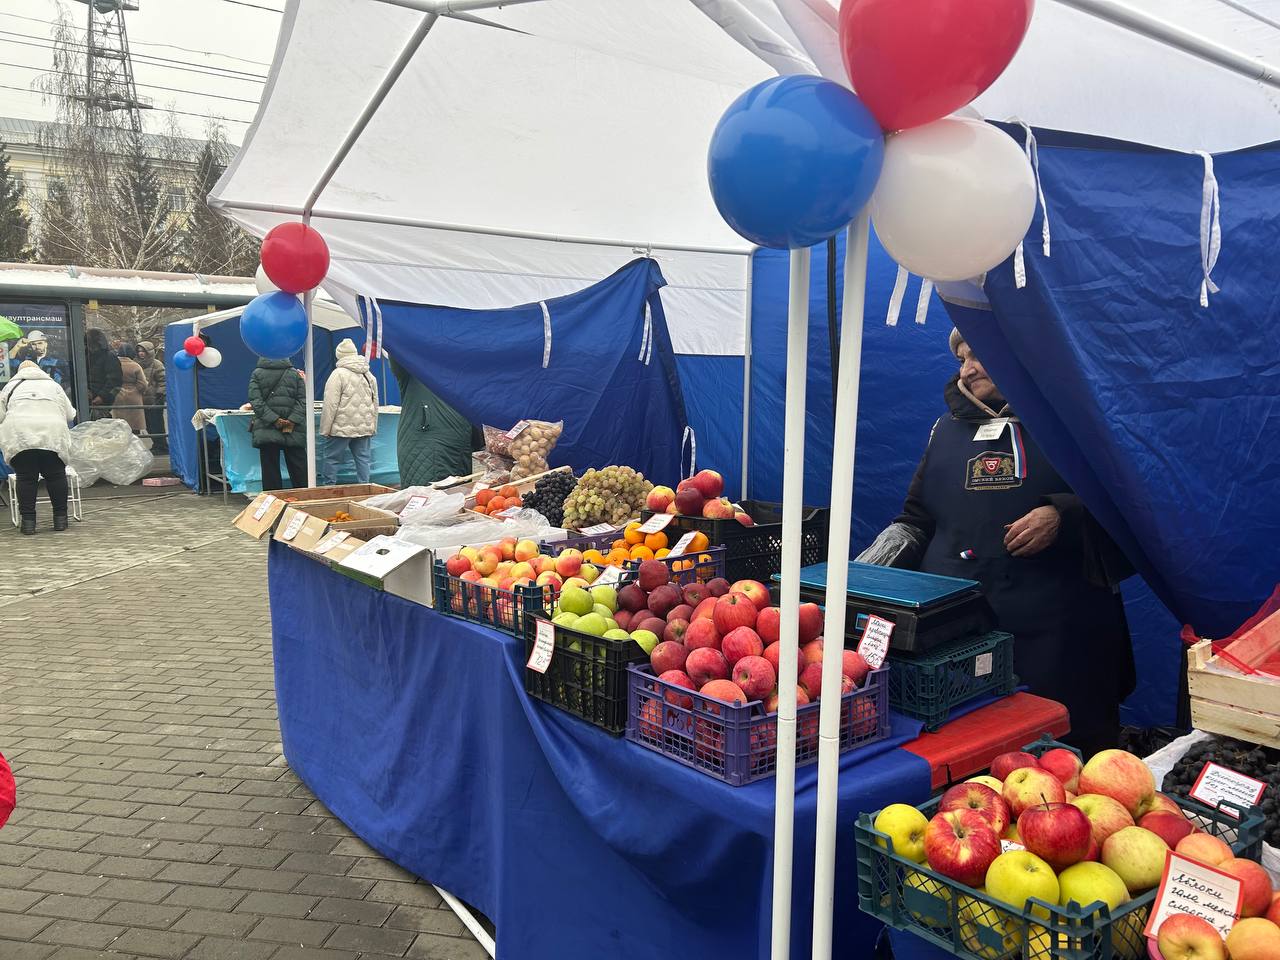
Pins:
x: 755, y: 552
x: 928, y: 686
x: 914, y: 632
x: 492, y: 606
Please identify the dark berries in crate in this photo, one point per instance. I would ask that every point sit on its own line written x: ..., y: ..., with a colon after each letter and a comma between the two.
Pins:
x: 1261, y: 763
x: 549, y: 494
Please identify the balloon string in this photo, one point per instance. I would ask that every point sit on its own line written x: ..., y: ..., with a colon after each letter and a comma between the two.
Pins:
x: 895, y: 300
x: 922, y: 305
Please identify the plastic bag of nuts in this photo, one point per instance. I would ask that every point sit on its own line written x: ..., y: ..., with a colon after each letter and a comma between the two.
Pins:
x: 531, y: 446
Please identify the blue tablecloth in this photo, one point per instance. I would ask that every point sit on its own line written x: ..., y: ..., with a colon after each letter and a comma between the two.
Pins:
x: 415, y: 730
x: 244, y: 468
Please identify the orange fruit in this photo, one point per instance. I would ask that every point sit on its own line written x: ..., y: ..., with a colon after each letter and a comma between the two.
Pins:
x: 659, y: 554
x: 655, y: 541
x: 705, y: 558
x: 631, y: 534
x: 618, y: 556
x: 641, y: 552
x: 620, y: 545
x: 496, y: 504
x: 592, y: 556
x: 484, y: 496
x: 699, y: 542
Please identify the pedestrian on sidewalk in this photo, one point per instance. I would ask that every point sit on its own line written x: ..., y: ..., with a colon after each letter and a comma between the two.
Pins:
x: 132, y: 392
x: 35, y: 439
x: 278, y: 398
x: 349, y: 416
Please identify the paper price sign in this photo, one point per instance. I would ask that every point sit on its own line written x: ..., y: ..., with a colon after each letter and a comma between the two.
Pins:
x: 608, y: 577
x: 1217, y: 783
x: 683, y: 544
x: 874, y: 645
x: 1189, y: 886
x: 983, y: 664
x: 414, y: 504
x: 657, y: 522
x: 331, y: 541
x: 1007, y: 845
x: 544, y: 646
x: 294, y: 526
x: 518, y: 429
x: 599, y: 530
x: 263, y: 507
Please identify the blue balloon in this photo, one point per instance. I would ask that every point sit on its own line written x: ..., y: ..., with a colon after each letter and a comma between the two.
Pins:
x: 274, y: 325
x: 183, y: 360
x: 793, y: 160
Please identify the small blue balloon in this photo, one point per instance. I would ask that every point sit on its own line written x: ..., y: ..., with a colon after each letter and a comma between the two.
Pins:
x: 274, y: 325
x: 793, y: 160
x: 183, y: 360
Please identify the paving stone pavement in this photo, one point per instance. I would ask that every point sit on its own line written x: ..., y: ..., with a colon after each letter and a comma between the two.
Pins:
x: 156, y: 815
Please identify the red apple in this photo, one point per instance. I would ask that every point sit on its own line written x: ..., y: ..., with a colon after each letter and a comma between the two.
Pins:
x: 769, y: 624
x: 755, y: 590
x: 632, y: 598
x: 676, y: 631
x: 680, y: 679
x: 718, y: 586
x: 771, y: 702
x: 487, y: 562
x: 652, y: 624
x: 652, y: 574
x: 1057, y: 833
x: 773, y: 653
x: 668, y: 655
x: 623, y: 619
x: 708, y: 483
x: 694, y: 593
x: 705, y: 664
x: 704, y: 610
x: 1006, y: 763
x: 725, y: 690
x: 469, y: 576
x: 682, y: 612
x: 659, y: 498
x: 1106, y: 816
x: 1169, y: 827
x: 717, y: 510
x: 741, y: 642
x: 1184, y: 937
x: 744, y: 519
x: 961, y: 845
x: 755, y: 676
x: 663, y: 600
x: 569, y: 563
x: 507, y: 546
x: 689, y: 502
x: 811, y: 617
x: 1204, y: 847
x: 702, y: 633
x: 1095, y: 850
x: 733, y: 610
x: 1273, y: 913
x: 457, y: 565
x: 811, y: 680
x: 1161, y: 802
x: 854, y: 666
x: 1122, y: 776
x: 1255, y: 885
x: 979, y: 798
x: 1064, y: 765
x: 811, y: 652
x: 1027, y: 786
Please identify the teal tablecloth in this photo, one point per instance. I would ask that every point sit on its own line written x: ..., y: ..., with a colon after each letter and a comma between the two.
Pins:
x: 244, y: 469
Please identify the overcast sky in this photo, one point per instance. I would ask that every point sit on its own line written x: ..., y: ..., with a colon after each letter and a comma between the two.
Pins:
x: 219, y: 51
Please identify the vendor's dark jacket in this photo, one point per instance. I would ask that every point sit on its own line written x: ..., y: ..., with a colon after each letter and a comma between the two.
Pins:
x: 433, y: 440
x: 1062, y: 605
x: 276, y: 392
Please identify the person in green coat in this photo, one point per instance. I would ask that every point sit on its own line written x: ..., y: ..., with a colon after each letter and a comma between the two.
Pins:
x: 434, y: 440
x: 279, y: 400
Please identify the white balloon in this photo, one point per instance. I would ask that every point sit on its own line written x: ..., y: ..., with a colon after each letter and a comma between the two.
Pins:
x: 263, y: 282
x: 209, y: 357
x: 955, y: 198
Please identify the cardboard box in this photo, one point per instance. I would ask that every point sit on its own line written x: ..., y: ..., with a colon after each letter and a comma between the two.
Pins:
x: 341, y: 491
x: 300, y: 529
x: 332, y: 545
x: 259, y: 517
x: 362, y: 517
x: 396, y: 566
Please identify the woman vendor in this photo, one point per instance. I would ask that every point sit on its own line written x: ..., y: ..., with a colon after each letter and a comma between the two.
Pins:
x: 986, y: 505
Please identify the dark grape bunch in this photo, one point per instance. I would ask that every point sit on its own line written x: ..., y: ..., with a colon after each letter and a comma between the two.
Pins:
x: 1261, y: 763
x: 548, y: 496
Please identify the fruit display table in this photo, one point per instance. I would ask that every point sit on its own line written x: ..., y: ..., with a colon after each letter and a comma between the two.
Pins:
x: 415, y: 730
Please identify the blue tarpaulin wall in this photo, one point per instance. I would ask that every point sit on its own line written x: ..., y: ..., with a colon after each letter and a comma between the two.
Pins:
x: 499, y: 366
x: 227, y: 385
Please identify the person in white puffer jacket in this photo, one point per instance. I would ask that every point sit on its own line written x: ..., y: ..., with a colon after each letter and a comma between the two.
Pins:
x: 35, y: 440
x: 349, y: 417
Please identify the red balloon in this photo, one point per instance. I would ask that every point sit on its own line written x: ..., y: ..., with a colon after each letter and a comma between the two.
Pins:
x: 295, y: 257
x: 915, y: 61
x: 193, y: 346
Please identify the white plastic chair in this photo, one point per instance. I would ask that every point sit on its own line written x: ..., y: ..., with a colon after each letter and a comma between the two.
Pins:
x: 75, y: 504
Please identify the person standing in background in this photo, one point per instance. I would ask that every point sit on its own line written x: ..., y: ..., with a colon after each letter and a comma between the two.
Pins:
x: 349, y: 416
x: 434, y: 440
x: 132, y: 392
x: 103, y: 376
x: 278, y: 398
x: 153, y: 369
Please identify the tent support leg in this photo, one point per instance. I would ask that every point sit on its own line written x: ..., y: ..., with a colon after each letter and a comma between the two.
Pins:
x: 842, y: 457
x: 744, y: 491
x: 792, y: 509
x: 469, y: 921
x: 308, y: 364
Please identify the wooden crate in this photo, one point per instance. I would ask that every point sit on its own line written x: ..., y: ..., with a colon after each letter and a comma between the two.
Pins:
x: 1232, y: 703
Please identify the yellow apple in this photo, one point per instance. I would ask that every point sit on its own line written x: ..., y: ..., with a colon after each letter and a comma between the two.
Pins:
x: 905, y: 826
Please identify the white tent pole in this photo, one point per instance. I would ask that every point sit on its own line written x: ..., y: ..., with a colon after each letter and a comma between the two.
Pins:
x: 792, y: 504
x: 842, y: 455
x: 1172, y: 35
x: 308, y: 365
x: 746, y: 385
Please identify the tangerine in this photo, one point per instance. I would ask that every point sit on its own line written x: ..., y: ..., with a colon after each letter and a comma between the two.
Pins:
x: 631, y: 534
x: 659, y: 554
x: 641, y: 552
x: 484, y: 496
x: 592, y: 556
x: 699, y: 542
x: 655, y: 541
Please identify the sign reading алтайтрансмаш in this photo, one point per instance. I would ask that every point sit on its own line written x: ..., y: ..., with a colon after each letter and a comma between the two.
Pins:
x: 1189, y: 886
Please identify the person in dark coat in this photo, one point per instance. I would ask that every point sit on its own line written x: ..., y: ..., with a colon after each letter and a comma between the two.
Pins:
x: 433, y: 440
x: 985, y: 504
x: 104, y: 375
x: 279, y: 400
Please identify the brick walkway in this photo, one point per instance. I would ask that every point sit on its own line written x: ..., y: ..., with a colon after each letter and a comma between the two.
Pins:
x: 156, y: 815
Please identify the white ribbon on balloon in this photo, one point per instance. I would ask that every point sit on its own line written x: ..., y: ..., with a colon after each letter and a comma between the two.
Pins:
x: 1210, y: 228
x: 1033, y: 157
x: 922, y: 305
x: 895, y: 299
x: 546, y: 334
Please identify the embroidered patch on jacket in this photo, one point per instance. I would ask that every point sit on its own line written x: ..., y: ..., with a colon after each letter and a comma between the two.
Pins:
x: 992, y: 470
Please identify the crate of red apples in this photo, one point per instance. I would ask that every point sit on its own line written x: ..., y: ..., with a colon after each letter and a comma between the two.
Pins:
x: 708, y: 697
x: 1046, y: 858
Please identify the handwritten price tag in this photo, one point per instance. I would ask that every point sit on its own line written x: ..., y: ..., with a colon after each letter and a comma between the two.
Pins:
x: 608, y: 577
x: 331, y: 541
x: 657, y: 522
x: 1189, y: 886
x: 683, y: 544
x: 983, y: 664
x: 295, y: 524
x: 263, y: 507
x: 1217, y: 783
x: 544, y: 647
x: 599, y: 530
x: 414, y: 504
x: 874, y: 645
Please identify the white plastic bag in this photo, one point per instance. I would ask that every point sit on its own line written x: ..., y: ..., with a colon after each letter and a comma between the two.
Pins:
x: 108, y: 448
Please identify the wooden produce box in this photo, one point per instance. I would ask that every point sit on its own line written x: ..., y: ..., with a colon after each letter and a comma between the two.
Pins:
x: 1226, y: 701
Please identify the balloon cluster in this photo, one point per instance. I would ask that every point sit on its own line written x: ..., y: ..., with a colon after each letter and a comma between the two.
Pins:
x: 295, y: 259
x: 795, y: 158
x: 194, y: 350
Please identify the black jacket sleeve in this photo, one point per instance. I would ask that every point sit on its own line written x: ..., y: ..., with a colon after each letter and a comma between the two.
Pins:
x: 1103, y: 563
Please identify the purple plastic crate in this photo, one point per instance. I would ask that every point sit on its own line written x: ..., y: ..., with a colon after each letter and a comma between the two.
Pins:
x: 738, y: 743
x: 603, y: 543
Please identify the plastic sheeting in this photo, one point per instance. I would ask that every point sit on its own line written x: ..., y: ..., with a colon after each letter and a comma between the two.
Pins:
x: 107, y: 449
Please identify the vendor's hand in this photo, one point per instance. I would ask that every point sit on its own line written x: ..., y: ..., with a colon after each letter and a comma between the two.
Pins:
x: 1033, y: 533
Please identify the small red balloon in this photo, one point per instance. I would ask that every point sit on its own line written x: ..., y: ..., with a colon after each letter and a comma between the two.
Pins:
x: 193, y: 346
x: 295, y: 257
x: 915, y: 61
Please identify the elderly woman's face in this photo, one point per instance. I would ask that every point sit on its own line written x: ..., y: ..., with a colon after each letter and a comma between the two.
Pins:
x: 974, y: 375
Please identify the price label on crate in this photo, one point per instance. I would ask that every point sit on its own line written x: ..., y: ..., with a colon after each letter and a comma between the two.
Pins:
x: 608, y: 577
x: 295, y: 524
x: 657, y: 523
x: 683, y: 544
x: 331, y: 541
x: 519, y: 428
x: 414, y: 504
x: 509, y: 512
x: 874, y: 645
x: 1217, y: 783
x: 544, y: 646
x: 983, y: 664
x: 1007, y: 845
x: 1189, y: 886
x: 263, y: 507
x: 599, y: 530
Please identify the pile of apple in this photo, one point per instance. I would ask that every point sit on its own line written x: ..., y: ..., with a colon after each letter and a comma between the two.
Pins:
x: 512, y: 563
x: 1070, y: 833
x: 698, y: 496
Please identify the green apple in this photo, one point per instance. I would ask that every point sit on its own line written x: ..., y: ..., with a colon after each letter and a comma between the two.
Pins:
x: 1137, y: 855
x: 565, y: 619
x: 612, y: 624
x: 616, y: 634
x: 606, y: 596
x: 1088, y: 882
x: 646, y: 638
x: 905, y: 826
x: 591, y: 623
x: 604, y: 611
x: 576, y: 600
x: 589, y: 572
